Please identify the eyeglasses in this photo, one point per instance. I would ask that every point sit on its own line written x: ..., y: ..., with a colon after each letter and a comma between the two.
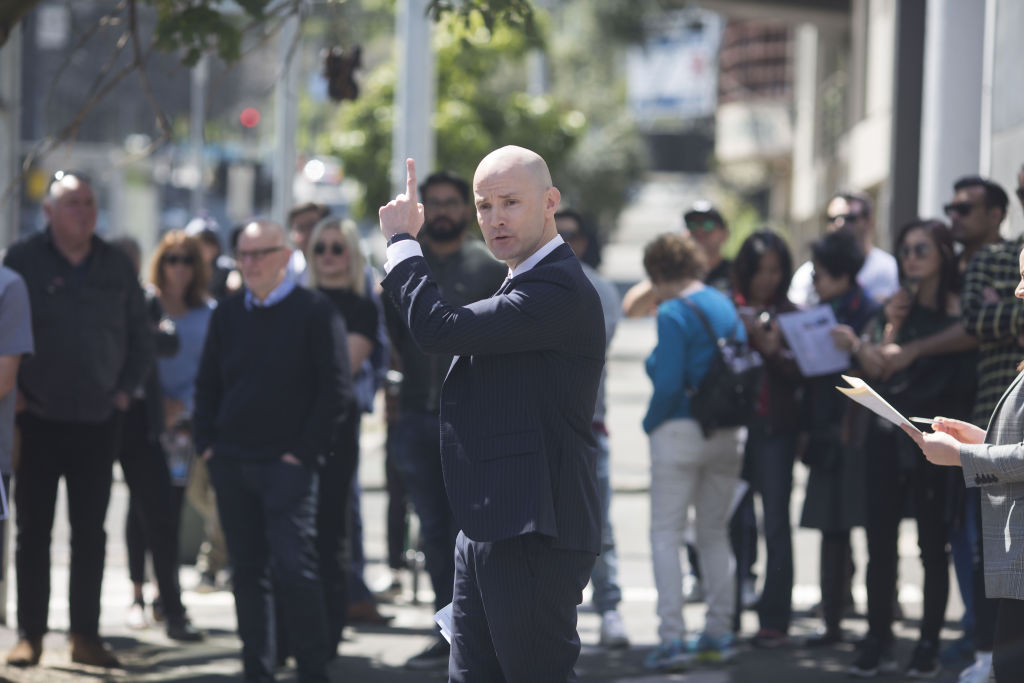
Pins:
x: 446, y: 204
x: 337, y: 248
x: 919, y: 250
x: 707, y: 225
x: 845, y: 218
x: 256, y: 254
x: 962, y: 209
x: 176, y: 259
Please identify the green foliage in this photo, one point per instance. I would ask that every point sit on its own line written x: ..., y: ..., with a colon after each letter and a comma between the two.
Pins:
x: 481, y: 106
x: 196, y: 26
x: 516, y: 14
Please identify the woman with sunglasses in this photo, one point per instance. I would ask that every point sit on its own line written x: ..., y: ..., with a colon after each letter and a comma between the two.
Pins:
x: 338, y: 269
x: 834, y: 502
x: 178, y: 278
x: 895, y: 472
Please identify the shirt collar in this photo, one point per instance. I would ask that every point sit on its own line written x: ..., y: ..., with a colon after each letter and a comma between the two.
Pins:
x: 536, y: 257
x: 276, y: 295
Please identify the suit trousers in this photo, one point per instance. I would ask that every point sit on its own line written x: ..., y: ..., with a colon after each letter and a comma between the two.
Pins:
x: 1008, y: 653
x: 514, y: 610
x: 268, y: 510
x: 82, y: 453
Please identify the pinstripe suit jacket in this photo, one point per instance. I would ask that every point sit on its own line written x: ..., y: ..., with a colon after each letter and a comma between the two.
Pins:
x: 997, y: 466
x: 517, y: 449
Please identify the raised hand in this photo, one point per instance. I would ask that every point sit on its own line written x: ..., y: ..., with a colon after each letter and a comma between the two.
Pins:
x: 404, y: 213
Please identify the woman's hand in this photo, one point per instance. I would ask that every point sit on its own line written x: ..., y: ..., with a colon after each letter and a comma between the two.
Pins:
x: 766, y: 338
x: 897, y: 308
x: 940, y: 448
x: 845, y: 338
x: 964, y: 432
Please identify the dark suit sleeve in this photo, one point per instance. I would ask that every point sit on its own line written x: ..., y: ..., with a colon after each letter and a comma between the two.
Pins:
x: 209, y: 384
x: 334, y: 395
x: 537, y: 313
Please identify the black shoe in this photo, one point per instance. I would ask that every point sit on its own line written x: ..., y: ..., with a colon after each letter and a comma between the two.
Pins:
x: 434, y: 657
x: 872, y: 658
x: 826, y: 638
x: 924, y: 663
x: 181, y: 629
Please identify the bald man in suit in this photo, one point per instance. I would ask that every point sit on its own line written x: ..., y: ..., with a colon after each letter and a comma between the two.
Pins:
x: 517, y: 449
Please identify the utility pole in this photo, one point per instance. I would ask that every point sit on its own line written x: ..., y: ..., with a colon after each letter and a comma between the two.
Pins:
x: 197, y: 104
x: 10, y: 131
x: 413, y: 134
x: 285, y: 116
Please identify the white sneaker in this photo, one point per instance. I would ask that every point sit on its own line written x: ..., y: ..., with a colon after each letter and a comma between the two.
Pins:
x: 135, y: 618
x: 980, y: 671
x: 613, y: 631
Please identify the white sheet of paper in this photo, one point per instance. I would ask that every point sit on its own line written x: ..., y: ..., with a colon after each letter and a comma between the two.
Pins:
x: 807, y: 333
x: 860, y: 392
x: 443, y: 618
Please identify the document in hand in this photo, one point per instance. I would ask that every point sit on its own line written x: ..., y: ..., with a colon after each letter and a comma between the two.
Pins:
x: 860, y: 392
x: 808, y: 335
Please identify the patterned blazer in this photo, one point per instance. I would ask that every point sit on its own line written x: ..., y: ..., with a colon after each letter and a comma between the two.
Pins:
x: 997, y: 467
x: 517, y: 448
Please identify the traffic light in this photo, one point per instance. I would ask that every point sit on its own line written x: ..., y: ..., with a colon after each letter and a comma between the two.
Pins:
x: 339, y: 68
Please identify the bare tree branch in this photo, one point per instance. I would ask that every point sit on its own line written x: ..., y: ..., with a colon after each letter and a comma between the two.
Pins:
x: 140, y: 67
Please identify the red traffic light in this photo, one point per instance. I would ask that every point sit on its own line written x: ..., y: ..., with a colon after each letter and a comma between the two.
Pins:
x: 250, y: 117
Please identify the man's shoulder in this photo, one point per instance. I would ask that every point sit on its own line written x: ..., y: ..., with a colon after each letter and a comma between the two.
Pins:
x: 23, y: 249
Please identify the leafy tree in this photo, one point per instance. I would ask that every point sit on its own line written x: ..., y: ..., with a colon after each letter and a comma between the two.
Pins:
x: 481, y: 105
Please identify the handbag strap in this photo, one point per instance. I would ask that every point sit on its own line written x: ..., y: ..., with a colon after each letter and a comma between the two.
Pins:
x: 707, y: 325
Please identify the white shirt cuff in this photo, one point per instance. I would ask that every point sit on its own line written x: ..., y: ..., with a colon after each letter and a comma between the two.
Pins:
x: 399, y: 251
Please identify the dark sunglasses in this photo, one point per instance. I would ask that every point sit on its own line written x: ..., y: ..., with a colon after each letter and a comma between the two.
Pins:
x: 175, y: 259
x: 845, y: 217
x: 320, y: 249
x: 707, y: 224
x: 962, y: 209
x: 919, y: 250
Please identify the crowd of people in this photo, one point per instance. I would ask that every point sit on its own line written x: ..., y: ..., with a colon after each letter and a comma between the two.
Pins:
x: 936, y: 330
x: 238, y: 381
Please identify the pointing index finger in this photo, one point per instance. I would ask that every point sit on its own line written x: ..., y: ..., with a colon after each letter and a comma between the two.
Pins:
x: 410, y: 180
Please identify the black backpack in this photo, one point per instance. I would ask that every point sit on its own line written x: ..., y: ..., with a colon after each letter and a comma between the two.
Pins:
x: 727, y: 395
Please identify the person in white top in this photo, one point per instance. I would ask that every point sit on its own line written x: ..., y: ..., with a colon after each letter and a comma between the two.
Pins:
x: 878, y: 276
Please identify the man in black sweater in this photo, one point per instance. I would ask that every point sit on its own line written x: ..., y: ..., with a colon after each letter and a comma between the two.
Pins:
x: 273, y: 385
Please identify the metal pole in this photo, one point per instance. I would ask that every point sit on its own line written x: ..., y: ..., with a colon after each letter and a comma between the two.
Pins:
x: 199, y: 77
x: 10, y: 130
x: 285, y: 109
x: 413, y: 136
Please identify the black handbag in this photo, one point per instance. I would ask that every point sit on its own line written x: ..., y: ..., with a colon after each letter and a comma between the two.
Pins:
x: 727, y: 394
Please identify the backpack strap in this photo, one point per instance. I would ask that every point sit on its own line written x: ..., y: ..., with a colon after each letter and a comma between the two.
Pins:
x: 707, y: 325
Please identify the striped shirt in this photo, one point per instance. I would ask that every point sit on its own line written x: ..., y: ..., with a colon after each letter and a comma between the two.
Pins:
x: 993, y: 315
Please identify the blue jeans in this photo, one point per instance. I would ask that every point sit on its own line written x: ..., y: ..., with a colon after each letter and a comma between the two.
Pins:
x: 415, y: 439
x: 268, y: 511
x: 769, y: 462
x: 605, y: 576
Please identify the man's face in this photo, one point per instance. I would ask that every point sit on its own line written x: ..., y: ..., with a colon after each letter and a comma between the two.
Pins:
x: 72, y: 212
x: 970, y: 222
x: 301, y: 228
x: 708, y: 233
x: 262, y: 257
x: 514, y: 212
x: 850, y: 215
x: 569, y: 230
x: 445, y: 214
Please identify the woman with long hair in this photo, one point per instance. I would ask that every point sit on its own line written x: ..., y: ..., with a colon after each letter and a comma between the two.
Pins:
x: 894, y: 470
x: 337, y: 270
x: 761, y: 275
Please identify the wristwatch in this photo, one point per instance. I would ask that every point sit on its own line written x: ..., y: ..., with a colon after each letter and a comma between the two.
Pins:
x: 399, y: 236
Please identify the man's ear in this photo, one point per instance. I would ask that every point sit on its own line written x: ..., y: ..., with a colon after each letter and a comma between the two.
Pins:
x: 552, y: 198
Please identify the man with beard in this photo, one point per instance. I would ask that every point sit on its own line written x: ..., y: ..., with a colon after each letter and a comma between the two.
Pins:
x: 465, y: 272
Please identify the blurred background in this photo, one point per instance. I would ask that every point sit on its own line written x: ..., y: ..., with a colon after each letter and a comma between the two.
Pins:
x: 232, y: 109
